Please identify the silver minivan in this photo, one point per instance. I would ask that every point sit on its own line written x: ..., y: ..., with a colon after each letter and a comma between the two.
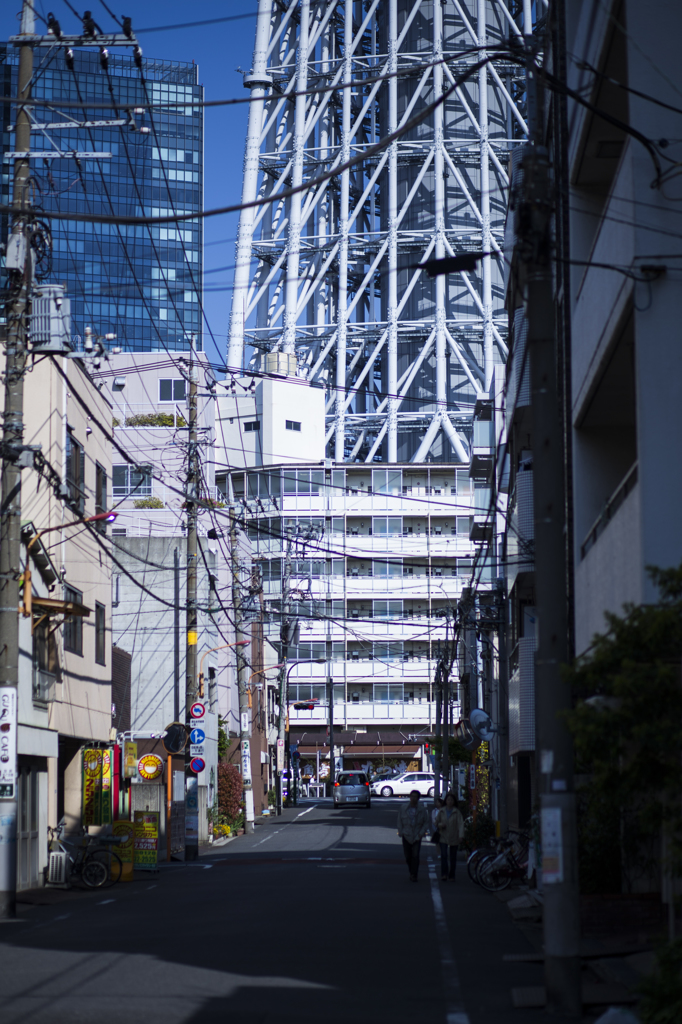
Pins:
x: 351, y: 788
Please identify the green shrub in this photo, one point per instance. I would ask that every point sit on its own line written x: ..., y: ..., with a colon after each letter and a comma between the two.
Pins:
x: 155, y: 419
x: 229, y: 792
x: 148, y: 503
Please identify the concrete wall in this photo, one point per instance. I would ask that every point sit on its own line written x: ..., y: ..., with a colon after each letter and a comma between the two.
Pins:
x: 620, y: 217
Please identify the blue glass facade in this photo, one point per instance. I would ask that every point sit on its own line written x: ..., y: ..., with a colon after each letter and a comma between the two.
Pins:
x: 141, y: 283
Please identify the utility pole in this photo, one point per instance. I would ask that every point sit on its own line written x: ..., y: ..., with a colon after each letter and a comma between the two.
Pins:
x: 191, y: 681
x: 19, y: 258
x: 285, y: 639
x: 242, y: 677
x: 445, y: 748
x: 438, y: 688
x: 552, y: 694
x: 501, y: 710
x: 176, y: 635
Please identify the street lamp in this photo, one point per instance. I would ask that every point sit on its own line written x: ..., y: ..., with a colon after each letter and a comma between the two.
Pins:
x: 27, y: 606
x: 287, y: 759
x: 239, y: 643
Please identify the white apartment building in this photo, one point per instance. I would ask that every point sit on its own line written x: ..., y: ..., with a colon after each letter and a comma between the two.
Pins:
x: 148, y: 393
x: 379, y: 556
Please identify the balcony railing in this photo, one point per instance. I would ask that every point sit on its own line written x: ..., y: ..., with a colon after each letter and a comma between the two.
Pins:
x: 367, y: 712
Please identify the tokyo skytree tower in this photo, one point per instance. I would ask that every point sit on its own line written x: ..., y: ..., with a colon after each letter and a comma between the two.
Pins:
x: 327, y: 285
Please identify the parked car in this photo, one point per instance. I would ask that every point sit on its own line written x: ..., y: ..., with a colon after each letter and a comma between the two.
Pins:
x: 352, y: 788
x: 402, y: 786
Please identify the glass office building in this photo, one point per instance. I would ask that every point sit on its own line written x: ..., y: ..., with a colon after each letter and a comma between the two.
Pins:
x: 141, y: 283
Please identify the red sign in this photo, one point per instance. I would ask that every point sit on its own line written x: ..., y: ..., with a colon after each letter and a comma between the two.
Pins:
x: 197, y: 765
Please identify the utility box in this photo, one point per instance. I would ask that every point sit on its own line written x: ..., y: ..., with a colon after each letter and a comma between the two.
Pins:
x: 50, y: 319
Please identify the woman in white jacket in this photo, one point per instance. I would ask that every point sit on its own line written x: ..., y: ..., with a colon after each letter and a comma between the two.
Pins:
x: 450, y: 825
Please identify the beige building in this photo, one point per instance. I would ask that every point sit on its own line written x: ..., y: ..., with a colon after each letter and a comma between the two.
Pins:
x: 65, y: 660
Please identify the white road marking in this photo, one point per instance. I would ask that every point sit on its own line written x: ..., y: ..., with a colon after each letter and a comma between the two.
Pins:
x: 150, y: 887
x: 271, y: 834
x: 455, y: 1012
x: 102, y: 902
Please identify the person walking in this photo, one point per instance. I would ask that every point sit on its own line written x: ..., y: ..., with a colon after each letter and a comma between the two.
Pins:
x: 413, y: 825
x: 437, y: 804
x: 450, y: 825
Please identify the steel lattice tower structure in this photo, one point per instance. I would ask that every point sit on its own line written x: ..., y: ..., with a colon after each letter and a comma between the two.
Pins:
x: 327, y: 278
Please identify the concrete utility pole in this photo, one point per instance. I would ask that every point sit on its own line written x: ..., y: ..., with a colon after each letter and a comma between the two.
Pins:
x: 501, y: 709
x: 242, y: 676
x: 176, y: 635
x: 552, y: 695
x: 191, y: 681
x: 283, y: 677
x: 17, y: 310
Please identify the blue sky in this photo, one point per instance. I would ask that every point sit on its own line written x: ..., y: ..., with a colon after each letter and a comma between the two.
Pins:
x: 218, y: 50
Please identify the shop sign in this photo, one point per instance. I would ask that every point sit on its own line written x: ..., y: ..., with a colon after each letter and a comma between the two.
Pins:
x: 146, y: 840
x: 552, y: 846
x: 150, y: 767
x: 280, y: 755
x: 96, y: 791
x: 129, y: 759
x: 125, y: 849
x: 8, y: 742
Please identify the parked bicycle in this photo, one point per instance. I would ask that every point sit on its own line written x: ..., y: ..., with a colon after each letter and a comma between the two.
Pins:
x: 509, y: 863
x: 494, y: 848
x: 90, y: 859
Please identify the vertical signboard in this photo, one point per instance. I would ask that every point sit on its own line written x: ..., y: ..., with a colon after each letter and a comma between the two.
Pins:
x: 97, y: 786
x: 8, y: 742
x: 146, y: 840
x: 129, y: 760
x: 126, y: 847
x: 280, y: 755
x: 191, y: 810
x: 552, y: 846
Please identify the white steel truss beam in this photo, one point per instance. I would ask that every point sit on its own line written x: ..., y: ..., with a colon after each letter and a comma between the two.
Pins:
x: 331, y: 274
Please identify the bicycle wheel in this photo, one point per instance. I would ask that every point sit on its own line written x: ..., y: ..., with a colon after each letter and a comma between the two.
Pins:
x: 493, y: 875
x: 112, y: 863
x: 94, y: 873
x: 472, y: 864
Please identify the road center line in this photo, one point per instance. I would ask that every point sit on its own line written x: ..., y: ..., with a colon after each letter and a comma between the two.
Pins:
x: 271, y: 834
x: 454, y: 1004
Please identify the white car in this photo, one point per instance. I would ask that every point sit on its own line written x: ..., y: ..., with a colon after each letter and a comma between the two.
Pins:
x: 404, y: 784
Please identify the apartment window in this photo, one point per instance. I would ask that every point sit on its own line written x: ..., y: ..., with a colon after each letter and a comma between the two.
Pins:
x: 73, y: 624
x: 133, y: 481
x: 293, y: 425
x: 303, y: 481
x: 100, y: 496
x: 100, y: 633
x: 251, y: 426
x: 44, y: 661
x: 388, y: 609
x: 173, y: 390
x: 388, y: 568
x: 75, y: 472
x: 385, y: 527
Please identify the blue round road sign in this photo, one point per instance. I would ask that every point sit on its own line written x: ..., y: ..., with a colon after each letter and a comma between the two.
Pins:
x: 197, y: 736
x: 197, y: 765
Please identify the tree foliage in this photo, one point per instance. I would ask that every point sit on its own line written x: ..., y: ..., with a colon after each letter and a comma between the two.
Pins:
x: 229, y: 791
x: 627, y: 728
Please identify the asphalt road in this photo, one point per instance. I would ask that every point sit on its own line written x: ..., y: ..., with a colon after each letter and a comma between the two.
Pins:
x: 312, y: 918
